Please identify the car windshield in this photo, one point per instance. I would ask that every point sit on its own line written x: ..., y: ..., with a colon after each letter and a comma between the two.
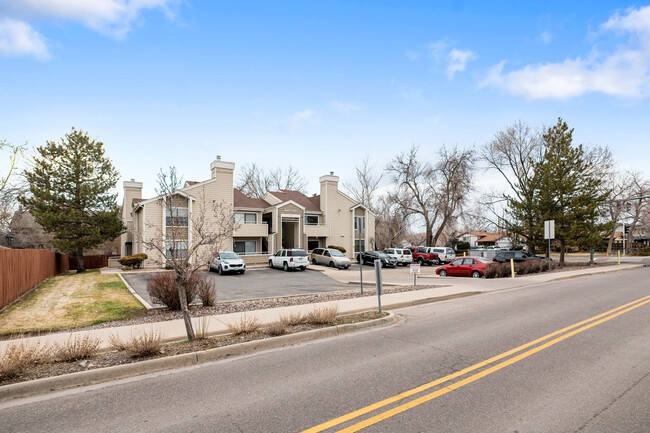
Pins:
x: 229, y: 256
x: 406, y: 252
x: 381, y: 254
x: 297, y: 253
x: 450, y: 251
x: 336, y: 253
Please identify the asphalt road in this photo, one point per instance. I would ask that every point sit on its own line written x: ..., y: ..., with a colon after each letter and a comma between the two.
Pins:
x: 594, y: 377
x: 255, y: 283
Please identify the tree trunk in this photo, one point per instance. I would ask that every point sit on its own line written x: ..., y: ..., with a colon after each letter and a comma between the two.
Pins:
x: 80, y: 262
x: 561, y: 252
x: 187, y: 318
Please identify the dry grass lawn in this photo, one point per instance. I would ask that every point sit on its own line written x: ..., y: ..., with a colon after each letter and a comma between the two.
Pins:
x: 70, y: 301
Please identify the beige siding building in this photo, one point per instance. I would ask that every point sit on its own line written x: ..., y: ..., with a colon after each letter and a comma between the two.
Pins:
x: 282, y: 219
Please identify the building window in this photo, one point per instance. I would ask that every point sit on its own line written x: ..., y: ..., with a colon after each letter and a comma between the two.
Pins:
x: 311, y: 220
x: 359, y: 245
x: 245, y: 218
x: 359, y: 221
x: 176, y: 249
x: 176, y: 216
x: 245, y: 247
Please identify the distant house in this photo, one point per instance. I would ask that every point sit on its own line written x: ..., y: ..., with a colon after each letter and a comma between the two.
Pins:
x: 282, y: 219
x: 485, y: 239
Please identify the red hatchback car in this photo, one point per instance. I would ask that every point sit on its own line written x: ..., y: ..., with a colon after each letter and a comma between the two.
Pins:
x: 465, y: 267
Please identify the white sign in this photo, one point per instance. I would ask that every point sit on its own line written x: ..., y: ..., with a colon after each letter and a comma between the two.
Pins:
x: 415, y: 268
x: 549, y: 229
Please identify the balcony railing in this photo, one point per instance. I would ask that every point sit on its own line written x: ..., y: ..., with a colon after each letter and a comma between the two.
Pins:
x: 252, y: 229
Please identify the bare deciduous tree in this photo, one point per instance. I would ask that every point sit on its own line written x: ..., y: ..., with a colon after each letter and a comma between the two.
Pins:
x: 454, y: 179
x: 364, y: 188
x: 513, y: 153
x: 11, y: 185
x: 391, y: 224
x: 435, y: 192
x: 211, y: 226
x: 416, y: 193
x: 256, y: 182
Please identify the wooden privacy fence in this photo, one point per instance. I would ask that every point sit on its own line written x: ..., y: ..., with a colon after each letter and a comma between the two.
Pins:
x: 20, y: 270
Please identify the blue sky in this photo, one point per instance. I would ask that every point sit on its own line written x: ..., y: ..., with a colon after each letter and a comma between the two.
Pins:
x: 165, y: 82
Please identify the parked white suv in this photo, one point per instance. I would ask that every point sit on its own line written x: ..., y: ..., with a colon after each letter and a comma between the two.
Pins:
x: 227, y: 261
x: 286, y: 259
x: 445, y: 254
x: 402, y: 255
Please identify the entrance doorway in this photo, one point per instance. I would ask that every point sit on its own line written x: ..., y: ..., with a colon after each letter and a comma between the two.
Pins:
x: 290, y: 233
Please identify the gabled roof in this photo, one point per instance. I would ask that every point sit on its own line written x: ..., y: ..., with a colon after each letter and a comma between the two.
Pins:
x: 242, y: 200
x: 309, y: 203
x: 491, y: 237
x: 190, y: 183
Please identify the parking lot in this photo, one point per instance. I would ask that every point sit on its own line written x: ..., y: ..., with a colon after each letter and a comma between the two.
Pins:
x: 255, y: 283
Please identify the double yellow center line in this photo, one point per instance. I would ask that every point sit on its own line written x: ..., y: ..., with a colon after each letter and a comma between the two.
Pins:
x: 574, y: 329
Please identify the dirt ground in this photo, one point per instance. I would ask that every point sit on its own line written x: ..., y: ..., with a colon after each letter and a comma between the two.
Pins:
x: 70, y: 300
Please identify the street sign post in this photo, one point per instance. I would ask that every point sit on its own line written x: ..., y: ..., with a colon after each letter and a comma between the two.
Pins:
x: 549, y: 233
x: 378, y: 282
x: 360, y: 258
x: 415, y: 271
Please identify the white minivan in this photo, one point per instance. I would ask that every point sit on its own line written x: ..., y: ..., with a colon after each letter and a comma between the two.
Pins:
x: 402, y: 255
x: 445, y: 254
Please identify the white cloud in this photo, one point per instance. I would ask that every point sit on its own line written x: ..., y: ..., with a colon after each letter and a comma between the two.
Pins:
x: 19, y: 38
x: 458, y: 61
x: 300, y: 118
x: 413, y: 56
x: 625, y: 71
x: 437, y: 49
x: 345, y: 108
x: 111, y: 17
x: 546, y: 37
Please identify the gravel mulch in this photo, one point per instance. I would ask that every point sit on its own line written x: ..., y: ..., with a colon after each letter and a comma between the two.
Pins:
x: 107, y: 359
x: 161, y: 315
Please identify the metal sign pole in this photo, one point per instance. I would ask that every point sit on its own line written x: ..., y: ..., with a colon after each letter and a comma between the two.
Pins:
x: 378, y: 282
x: 549, y: 233
x: 360, y: 254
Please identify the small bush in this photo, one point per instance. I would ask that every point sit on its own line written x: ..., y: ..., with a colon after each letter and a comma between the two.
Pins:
x: 504, y: 270
x: 245, y: 325
x: 276, y: 328
x: 76, y: 348
x: 202, y: 328
x: 18, y: 356
x: 336, y: 247
x: 135, y: 261
x: 144, y: 344
x: 292, y: 319
x: 163, y: 290
x: 322, y: 316
x: 491, y: 270
x: 204, y: 289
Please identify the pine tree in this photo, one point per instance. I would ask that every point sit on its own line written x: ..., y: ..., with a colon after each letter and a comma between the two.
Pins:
x: 569, y: 191
x: 70, y: 194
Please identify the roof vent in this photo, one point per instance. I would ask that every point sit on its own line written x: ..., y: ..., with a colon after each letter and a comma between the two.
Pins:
x: 331, y: 173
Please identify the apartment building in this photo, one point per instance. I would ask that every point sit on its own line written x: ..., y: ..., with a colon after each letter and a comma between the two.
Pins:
x: 282, y: 219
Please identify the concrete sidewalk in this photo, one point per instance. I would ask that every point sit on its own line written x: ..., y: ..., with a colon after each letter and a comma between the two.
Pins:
x: 174, y: 330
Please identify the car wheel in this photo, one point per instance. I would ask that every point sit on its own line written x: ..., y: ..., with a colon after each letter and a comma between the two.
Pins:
x: 220, y: 270
x: 285, y: 267
x: 438, y: 262
x: 476, y: 274
x: 420, y: 261
x: 302, y: 268
x: 443, y: 273
x: 241, y: 272
x: 271, y: 264
x: 313, y: 261
x: 331, y: 264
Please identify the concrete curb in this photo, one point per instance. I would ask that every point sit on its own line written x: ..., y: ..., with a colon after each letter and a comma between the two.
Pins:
x: 146, y: 305
x: 90, y: 377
